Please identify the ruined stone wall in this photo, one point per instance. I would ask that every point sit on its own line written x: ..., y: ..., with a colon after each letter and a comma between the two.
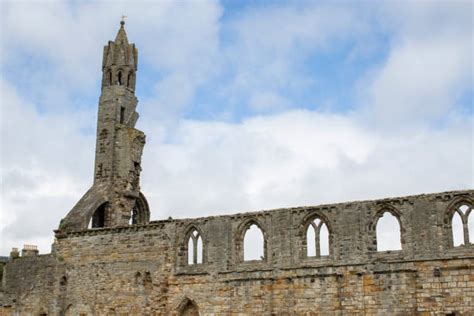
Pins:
x: 143, y: 269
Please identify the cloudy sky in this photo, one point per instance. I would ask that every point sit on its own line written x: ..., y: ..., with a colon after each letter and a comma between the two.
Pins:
x: 246, y: 105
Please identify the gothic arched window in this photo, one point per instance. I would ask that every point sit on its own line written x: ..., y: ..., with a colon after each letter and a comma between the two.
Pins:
x: 119, y: 78
x: 141, y: 212
x: 317, y: 238
x: 462, y: 225
x: 195, y: 247
x: 388, y: 232
x: 98, y: 218
x: 254, y: 243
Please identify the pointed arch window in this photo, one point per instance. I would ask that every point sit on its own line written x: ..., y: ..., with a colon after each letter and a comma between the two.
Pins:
x: 195, y: 247
x: 388, y: 232
x: 462, y: 225
x: 317, y: 238
x: 141, y: 212
x: 98, y: 218
x: 254, y: 243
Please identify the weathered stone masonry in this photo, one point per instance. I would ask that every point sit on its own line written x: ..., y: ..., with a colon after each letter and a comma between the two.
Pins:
x: 122, y: 264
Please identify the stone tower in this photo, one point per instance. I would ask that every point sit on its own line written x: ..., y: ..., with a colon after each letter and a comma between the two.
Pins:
x: 115, y: 198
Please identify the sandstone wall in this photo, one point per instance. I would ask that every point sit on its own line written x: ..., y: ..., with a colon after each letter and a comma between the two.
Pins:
x: 142, y: 269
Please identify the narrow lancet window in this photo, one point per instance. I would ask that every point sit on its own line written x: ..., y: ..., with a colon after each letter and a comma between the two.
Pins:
x: 119, y: 81
x: 311, y: 241
x: 190, y: 251
x: 388, y: 233
x: 324, y: 240
x: 199, y: 250
x: 458, y: 231
x: 254, y: 244
x: 470, y: 227
x: 122, y: 114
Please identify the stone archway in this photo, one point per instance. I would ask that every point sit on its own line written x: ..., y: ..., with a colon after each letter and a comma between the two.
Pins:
x: 188, y: 308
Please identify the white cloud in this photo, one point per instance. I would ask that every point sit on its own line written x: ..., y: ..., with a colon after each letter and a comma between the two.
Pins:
x: 44, y: 168
x: 298, y: 158
x: 429, y: 65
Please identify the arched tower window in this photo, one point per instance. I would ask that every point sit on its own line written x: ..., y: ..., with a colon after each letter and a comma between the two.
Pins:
x: 462, y: 225
x: 98, y: 218
x: 388, y: 232
x: 317, y: 238
x: 195, y: 247
x: 109, y: 74
x: 119, y: 78
x: 254, y: 243
x: 141, y: 212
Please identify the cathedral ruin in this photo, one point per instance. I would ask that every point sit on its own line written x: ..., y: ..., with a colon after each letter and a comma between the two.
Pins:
x: 108, y: 258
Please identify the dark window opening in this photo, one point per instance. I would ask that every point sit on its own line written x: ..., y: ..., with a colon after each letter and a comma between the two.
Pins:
x: 98, y: 219
x: 122, y: 114
x: 63, y: 281
x: 138, y: 277
x: 188, y: 308
x: 120, y: 78
x: 134, y: 216
x: 110, y: 77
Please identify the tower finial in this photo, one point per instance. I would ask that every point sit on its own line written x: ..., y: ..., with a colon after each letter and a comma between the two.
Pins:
x: 122, y: 22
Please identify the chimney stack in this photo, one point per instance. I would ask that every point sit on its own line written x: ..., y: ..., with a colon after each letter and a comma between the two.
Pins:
x: 29, y: 251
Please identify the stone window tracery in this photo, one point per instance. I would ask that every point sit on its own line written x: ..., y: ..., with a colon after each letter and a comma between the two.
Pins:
x: 195, y: 247
x: 317, y: 238
x: 140, y: 212
x: 462, y: 225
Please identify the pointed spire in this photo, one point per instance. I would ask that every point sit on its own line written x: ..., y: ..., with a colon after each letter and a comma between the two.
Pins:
x: 121, y: 37
x: 120, y: 60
